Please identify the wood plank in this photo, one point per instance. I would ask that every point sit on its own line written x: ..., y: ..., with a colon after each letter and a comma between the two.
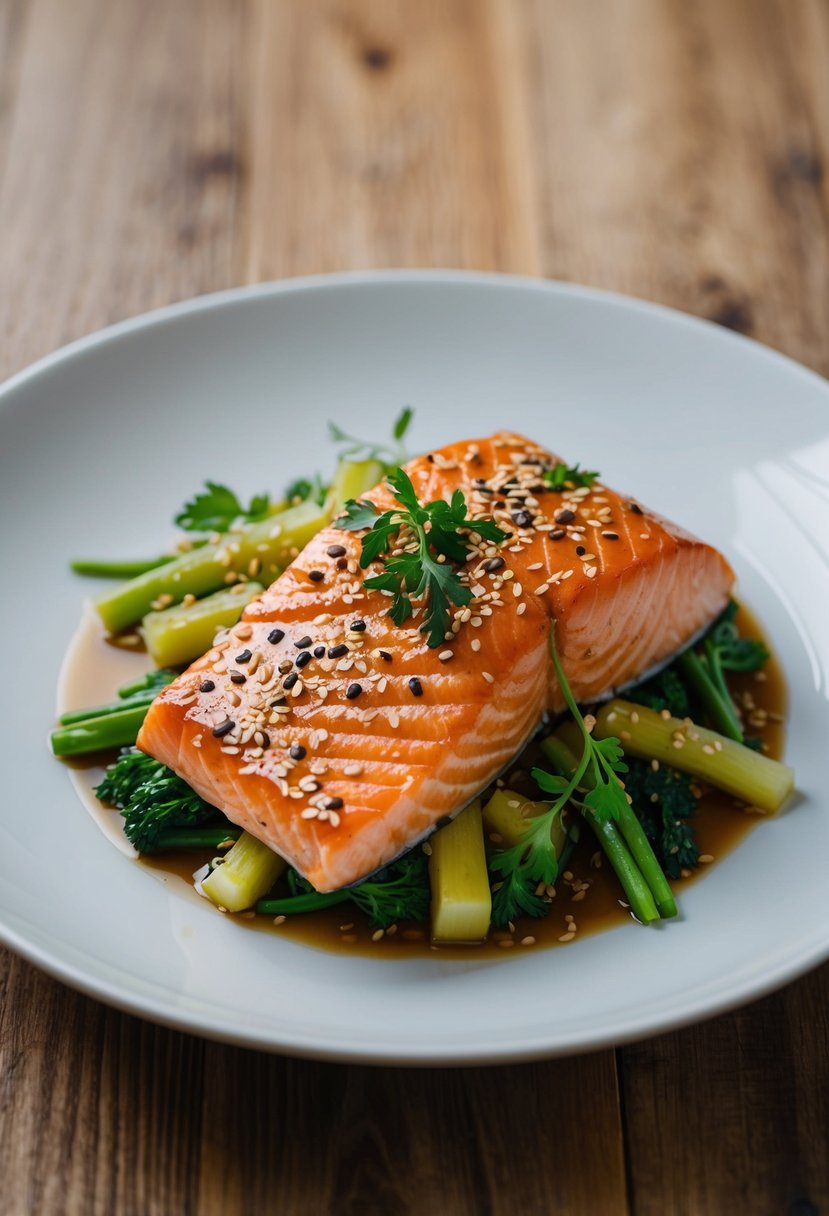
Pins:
x: 733, y: 1115
x: 386, y: 133
x: 122, y: 165
x: 389, y: 1142
x: 679, y: 158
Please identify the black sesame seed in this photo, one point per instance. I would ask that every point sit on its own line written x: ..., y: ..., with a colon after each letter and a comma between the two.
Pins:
x: 338, y: 651
x: 523, y: 519
x: 224, y: 728
x: 357, y: 626
x: 266, y: 741
x: 206, y: 686
x: 564, y: 516
x: 353, y: 691
x: 342, y: 562
x: 479, y: 481
x: 499, y: 504
x: 493, y: 564
x: 275, y: 636
x: 303, y: 643
x: 416, y: 687
x: 385, y: 656
x: 237, y: 677
x: 430, y: 458
x: 302, y: 660
x: 278, y: 701
x: 297, y: 751
x: 290, y: 679
x: 244, y: 657
x: 580, y: 550
x: 557, y: 534
x: 539, y: 489
x: 635, y: 508
x: 319, y: 651
x: 316, y: 576
x: 336, y: 550
x: 334, y: 804
x: 610, y: 535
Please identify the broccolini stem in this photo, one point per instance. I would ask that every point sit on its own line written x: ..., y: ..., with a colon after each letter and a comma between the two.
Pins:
x: 118, y: 569
x: 97, y: 734
x: 312, y: 901
x: 74, y: 716
x: 195, y: 838
x: 147, y: 682
x: 720, y: 709
x: 638, y: 893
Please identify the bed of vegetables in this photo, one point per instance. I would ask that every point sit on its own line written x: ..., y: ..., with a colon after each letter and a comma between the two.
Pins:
x: 631, y: 772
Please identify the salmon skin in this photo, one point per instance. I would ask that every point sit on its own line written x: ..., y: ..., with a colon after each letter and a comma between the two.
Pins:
x: 341, y: 739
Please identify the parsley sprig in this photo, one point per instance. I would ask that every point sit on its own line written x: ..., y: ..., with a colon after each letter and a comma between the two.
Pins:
x: 426, y: 532
x: 216, y: 508
x: 393, y: 453
x: 562, y: 476
x: 593, y: 785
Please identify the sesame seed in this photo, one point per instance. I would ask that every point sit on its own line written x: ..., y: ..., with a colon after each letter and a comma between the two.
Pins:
x: 290, y: 680
x: 303, y: 643
x: 309, y: 812
x: 490, y: 679
x: 542, y: 589
x: 416, y: 687
x: 476, y: 642
x: 493, y: 564
x: 446, y: 655
x: 337, y: 651
x: 336, y: 550
x: 517, y: 590
x: 224, y: 728
x: 353, y: 691
x: 705, y: 859
x: 303, y: 659
x: 275, y: 636
x: 528, y: 941
x: 297, y: 752
x: 385, y: 656
x: 319, y: 651
x: 334, y: 804
x: 610, y: 535
x: 377, y: 934
x: 357, y: 626
x: 316, y: 576
x: 521, y: 609
x: 206, y: 686
x: 353, y: 770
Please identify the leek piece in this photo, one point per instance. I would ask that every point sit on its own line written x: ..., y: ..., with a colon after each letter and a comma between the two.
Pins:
x: 272, y: 542
x: 506, y: 815
x: 177, y: 635
x: 748, y: 775
x: 247, y: 873
x: 461, y: 898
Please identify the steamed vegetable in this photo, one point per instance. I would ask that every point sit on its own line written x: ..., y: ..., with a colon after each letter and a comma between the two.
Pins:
x: 160, y: 810
x: 748, y: 775
x: 176, y: 636
x: 246, y: 873
x: 461, y: 899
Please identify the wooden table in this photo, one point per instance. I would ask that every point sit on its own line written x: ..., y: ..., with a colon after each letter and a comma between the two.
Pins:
x: 155, y: 149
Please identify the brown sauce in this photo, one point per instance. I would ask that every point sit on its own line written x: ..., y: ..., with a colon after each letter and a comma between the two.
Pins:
x: 93, y: 669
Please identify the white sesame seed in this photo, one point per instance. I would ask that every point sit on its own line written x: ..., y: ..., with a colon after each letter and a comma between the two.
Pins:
x: 490, y: 679
x: 541, y: 590
x: 522, y: 608
x: 446, y: 655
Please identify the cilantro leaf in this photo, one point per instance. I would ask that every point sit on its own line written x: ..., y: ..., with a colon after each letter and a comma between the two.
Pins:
x: 562, y: 476
x: 358, y: 515
x: 390, y: 454
x: 216, y: 508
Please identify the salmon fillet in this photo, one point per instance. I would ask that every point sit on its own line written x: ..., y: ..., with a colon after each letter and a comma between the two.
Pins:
x: 340, y: 739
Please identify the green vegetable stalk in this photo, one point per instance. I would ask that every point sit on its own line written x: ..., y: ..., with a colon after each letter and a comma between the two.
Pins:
x: 748, y: 775
x: 178, y: 635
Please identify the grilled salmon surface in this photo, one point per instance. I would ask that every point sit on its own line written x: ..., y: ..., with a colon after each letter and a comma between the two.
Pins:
x: 340, y: 739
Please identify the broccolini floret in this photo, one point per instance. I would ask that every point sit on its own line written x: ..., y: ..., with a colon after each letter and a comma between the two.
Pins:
x: 157, y: 805
x: 664, y: 803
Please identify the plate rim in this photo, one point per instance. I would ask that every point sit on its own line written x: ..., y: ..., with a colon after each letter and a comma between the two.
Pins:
x: 219, y: 1027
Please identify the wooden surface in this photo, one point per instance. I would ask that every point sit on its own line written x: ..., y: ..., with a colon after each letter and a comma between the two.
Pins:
x: 150, y: 151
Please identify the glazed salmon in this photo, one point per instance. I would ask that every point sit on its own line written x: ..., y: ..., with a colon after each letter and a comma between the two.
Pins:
x: 340, y: 739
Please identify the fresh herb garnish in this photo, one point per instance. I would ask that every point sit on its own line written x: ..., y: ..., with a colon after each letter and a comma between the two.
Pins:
x: 216, y: 508
x: 306, y: 489
x: 562, y: 476
x: 390, y: 454
x: 595, y: 787
x: 417, y: 573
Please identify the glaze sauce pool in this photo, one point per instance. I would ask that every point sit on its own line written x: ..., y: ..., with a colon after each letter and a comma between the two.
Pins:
x: 94, y: 668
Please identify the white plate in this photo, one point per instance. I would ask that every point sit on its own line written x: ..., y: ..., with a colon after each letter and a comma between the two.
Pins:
x: 723, y: 435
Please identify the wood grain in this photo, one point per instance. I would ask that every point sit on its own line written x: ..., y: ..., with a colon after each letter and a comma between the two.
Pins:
x: 151, y: 151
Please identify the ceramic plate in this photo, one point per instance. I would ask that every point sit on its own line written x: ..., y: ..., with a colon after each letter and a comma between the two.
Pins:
x: 718, y: 432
